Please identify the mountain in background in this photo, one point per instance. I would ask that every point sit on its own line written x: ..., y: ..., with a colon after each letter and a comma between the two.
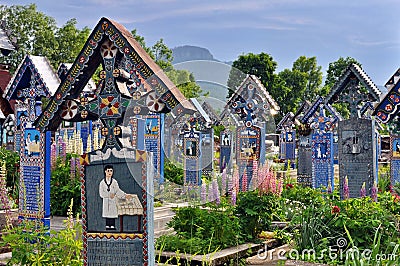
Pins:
x: 189, y: 53
x: 210, y: 74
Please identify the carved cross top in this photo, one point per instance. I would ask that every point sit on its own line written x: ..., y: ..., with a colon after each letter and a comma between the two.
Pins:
x: 246, y: 107
x: 31, y: 95
x: 321, y: 122
x: 354, y: 97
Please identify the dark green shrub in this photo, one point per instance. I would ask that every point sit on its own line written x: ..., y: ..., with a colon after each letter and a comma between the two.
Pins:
x: 255, y: 212
x: 201, y: 231
x: 64, y: 187
x: 173, y: 172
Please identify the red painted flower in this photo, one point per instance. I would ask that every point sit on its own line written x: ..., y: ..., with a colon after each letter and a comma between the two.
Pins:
x: 397, y: 198
x: 288, y: 186
x: 335, y: 209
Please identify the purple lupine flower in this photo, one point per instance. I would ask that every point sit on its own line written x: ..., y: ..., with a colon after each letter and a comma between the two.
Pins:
x: 203, y: 193
x: 374, y: 192
x: 223, y: 181
x: 280, y: 187
x: 63, y: 151
x: 53, y: 156
x: 346, y: 192
x: 215, y: 191
x: 329, y: 187
x: 363, y: 191
x: 78, y: 165
x: 244, y: 181
x: 233, y: 197
x: 73, y: 168
x: 254, y: 178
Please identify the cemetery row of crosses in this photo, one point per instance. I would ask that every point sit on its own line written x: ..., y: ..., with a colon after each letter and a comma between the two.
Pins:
x: 125, y: 130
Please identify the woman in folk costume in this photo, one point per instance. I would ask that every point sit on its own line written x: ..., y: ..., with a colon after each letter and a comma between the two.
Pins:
x: 109, y: 192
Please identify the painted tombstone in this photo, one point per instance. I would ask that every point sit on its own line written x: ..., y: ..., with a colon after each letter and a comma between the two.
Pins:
x: 192, y: 157
x: 287, y: 140
x: 304, y: 169
x: 203, y: 123
x: 357, y: 143
x: 255, y: 107
x: 154, y: 140
x: 225, y: 150
x: 117, y: 177
x: 395, y: 159
x: 117, y: 212
x: 207, y: 151
x: 33, y: 80
x: 248, y: 150
x: 323, y: 126
x: 304, y: 165
x: 386, y: 111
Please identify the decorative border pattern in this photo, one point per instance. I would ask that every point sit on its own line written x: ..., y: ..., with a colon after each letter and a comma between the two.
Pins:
x: 35, y: 161
x: 144, y: 235
x: 20, y: 74
x: 105, y: 27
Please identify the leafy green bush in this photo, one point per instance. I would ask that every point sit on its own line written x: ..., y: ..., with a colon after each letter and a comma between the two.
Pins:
x: 64, y: 187
x: 12, y: 165
x: 33, y: 244
x: 305, y: 195
x: 201, y: 231
x: 320, y: 226
x: 255, y: 212
x: 173, y: 172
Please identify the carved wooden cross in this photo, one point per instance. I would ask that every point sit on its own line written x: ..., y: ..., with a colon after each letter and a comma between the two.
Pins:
x: 353, y: 97
x: 246, y: 107
x: 321, y: 122
x: 31, y: 95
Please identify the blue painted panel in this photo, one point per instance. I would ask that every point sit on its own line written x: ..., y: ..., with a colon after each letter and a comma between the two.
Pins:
x: 322, y: 160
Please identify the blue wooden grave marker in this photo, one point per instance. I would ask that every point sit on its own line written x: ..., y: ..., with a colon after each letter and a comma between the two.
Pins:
x: 225, y: 161
x: 129, y: 78
x: 395, y: 159
x: 357, y: 137
x: 247, y: 151
x: 192, y: 158
x: 33, y: 80
x: 154, y: 141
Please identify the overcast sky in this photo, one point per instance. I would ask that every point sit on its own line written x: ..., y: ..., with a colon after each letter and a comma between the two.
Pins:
x: 367, y: 30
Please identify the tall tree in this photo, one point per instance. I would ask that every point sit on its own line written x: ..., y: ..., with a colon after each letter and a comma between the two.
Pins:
x: 70, y: 41
x: 33, y: 32
x: 292, y: 87
x: 336, y: 69
x: 162, y: 54
x: 37, y: 33
x: 261, y: 65
x: 313, y: 74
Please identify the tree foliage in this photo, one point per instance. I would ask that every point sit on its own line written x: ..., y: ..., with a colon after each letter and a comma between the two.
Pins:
x: 313, y: 74
x: 37, y: 33
x: 336, y: 69
x: 261, y: 65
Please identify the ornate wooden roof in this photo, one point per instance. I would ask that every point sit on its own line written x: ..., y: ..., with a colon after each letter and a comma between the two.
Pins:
x: 388, y: 107
x: 37, y: 67
x: 134, y: 62
x: 347, y: 89
x: 315, y: 107
x: 286, y: 121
